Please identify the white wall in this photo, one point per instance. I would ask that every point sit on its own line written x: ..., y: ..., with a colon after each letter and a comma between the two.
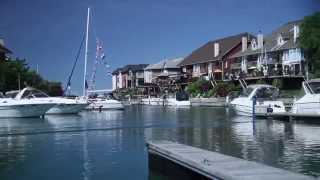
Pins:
x: 114, y: 82
x: 196, y: 70
x: 120, y: 80
x: 147, y: 76
x: 292, y: 56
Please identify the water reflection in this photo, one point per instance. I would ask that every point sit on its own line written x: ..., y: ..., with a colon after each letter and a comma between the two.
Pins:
x: 96, y: 145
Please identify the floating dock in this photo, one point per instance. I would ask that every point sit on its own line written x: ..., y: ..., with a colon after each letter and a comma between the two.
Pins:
x: 195, y: 163
x: 289, y: 115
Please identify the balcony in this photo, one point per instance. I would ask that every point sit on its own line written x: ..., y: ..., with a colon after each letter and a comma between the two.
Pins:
x: 235, y: 66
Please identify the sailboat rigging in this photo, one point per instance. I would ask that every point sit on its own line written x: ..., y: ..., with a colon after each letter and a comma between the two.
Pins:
x: 98, y: 103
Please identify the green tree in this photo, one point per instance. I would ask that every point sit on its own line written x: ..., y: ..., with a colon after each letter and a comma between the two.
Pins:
x: 13, y: 70
x: 310, y: 41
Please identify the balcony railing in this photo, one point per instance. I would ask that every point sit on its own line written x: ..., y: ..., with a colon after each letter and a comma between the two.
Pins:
x: 236, y: 66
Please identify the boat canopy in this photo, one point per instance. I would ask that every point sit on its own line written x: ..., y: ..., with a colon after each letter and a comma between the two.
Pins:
x: 261, y: 91
x: 30, y: 93
x: 314, y: 85
x: 12, y: 94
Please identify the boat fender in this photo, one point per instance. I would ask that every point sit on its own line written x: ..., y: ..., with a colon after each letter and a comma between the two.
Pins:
x: 269, y: 109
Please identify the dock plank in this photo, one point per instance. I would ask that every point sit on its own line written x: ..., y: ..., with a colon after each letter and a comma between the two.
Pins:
x: 219, y: 166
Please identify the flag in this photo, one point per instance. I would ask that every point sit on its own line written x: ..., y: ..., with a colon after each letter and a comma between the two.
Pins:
x: 86, y: 84
x: 102, y: 56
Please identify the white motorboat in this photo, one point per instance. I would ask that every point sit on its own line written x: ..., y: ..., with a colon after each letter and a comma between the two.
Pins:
x: 181, y: 99
x: 178, y: 103
x: 104, y: 104
x: 63, y: 105
x: 156, y: 101
x: 309, y: 103
x: 10, y: 108
x: 265, y: 100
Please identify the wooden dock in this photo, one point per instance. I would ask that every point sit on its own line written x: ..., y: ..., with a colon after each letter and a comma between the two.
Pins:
x: 212, y: 165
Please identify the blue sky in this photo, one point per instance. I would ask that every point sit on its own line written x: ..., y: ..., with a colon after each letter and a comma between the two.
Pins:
x: 48, y: 33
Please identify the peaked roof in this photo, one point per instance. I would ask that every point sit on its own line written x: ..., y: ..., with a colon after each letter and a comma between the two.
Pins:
x: 165, y: 64
x: 206, y: 52
x: 270, y: 40
x: 130, y: 67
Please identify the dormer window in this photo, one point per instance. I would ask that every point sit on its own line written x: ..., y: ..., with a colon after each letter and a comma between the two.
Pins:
x: 280, y: 40
x: 254, y: 44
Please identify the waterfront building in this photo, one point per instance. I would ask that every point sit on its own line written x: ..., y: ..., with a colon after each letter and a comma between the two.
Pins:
x: 214, y: 59
x: 166, y: 69
x: 3, y: 50
x: 129, y: 76
x: 276, y: 55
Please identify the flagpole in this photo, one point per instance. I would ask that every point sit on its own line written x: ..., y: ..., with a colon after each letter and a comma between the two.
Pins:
x: 86, y: 55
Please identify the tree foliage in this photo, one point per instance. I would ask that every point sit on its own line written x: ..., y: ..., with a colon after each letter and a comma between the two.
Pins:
x: 310, y: 41
x: 205, y: 89
x: 14, y: 69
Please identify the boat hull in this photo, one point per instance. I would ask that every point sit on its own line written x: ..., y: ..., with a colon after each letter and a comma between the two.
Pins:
x: 105, y: 105
x: 164, y: 102
x: 244, y: 108
x: 66, y: 108
x: 26, y: 110
x: 174, y: 102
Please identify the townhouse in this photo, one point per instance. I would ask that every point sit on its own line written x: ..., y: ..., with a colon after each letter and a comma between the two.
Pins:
x: 163, y: 70
x: 276, y: 55
x: 129, y: 76
x: 214, y: 60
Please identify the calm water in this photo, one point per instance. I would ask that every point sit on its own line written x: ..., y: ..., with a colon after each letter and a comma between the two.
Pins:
x: 111, y: 145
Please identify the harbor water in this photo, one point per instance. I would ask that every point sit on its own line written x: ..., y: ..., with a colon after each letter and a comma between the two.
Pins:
x: 111, y: 144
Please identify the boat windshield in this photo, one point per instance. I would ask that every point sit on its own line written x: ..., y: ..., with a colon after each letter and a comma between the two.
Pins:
x: 267, y: 93
x: 11, y: 94
x: 1, y: 95
x: 246, y: 92
x: 315, y: 86
x: 34, y: 94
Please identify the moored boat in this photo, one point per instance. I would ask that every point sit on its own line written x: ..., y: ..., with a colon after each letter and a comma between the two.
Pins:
x: 63, y: 105
x: 265, y: 100
x: 15, y: 108
x: 104, y: 104
x: 309, y: 103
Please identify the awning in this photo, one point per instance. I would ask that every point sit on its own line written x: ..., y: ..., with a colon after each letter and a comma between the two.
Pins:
x: 252, y: 67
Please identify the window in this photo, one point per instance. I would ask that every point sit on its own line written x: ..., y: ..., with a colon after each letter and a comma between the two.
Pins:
x: 315, y: 86
x: 245, y: 93
x: 254, y: 44
x: 280, y: 40
x: 34, y: 94
x: 267, y: 93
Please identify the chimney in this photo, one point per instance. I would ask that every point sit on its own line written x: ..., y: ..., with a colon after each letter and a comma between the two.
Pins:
x: 260, y: 40
x: 295, y: 33
x: 244, y: 43
x: 216, y: 49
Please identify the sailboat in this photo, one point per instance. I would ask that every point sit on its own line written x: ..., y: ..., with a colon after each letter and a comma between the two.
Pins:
x: 99, y: 102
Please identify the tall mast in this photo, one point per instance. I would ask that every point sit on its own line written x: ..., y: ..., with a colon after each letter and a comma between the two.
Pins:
x: 86, y: 55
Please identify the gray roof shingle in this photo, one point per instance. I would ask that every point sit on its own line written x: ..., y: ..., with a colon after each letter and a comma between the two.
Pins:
x: 165, y: 64
x: 130, y: 67
x: 270, y: 40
